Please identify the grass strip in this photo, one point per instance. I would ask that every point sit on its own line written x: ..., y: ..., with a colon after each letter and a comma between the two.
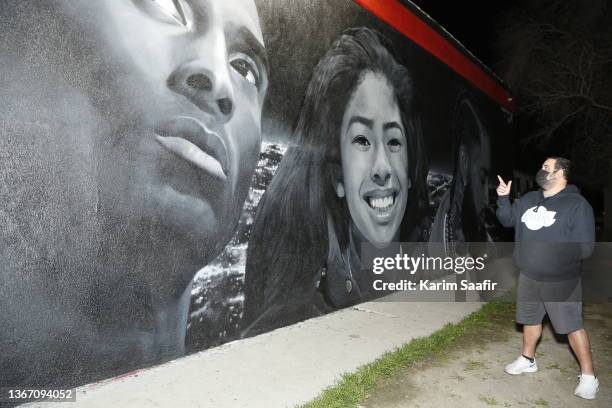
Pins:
x: 353, y: 388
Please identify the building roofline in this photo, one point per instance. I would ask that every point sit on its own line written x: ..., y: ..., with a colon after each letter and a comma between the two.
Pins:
x: 419, y: 27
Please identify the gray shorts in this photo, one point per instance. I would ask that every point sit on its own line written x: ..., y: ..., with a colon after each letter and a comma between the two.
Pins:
x: 562, y: 301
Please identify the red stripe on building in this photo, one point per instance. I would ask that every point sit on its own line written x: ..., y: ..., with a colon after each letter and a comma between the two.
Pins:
x: 412, y: 26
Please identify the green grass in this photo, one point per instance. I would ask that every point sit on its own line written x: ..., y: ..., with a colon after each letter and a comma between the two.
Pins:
x: 541, y: 402
x: 555, y: 366
x: 353, y: 388
x: 475, y: 365
x: 488, y: 400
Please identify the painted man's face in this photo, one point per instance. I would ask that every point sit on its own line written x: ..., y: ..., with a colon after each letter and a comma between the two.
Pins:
x: 179, y: 85
x: 374, y: 160
x: 474, y: 157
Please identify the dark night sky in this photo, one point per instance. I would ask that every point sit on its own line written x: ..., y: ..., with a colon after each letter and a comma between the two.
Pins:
x: 473, y: 23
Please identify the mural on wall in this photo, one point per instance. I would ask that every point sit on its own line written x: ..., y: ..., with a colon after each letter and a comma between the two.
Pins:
x: 175, y: 174
x: 355, y: 173
x: 461, y: 218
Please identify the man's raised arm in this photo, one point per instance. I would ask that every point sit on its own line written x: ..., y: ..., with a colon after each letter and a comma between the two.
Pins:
x: 505, y: 210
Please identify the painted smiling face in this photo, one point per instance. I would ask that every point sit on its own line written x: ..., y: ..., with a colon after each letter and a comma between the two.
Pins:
x: 180, y: 85
x: 374, y: 160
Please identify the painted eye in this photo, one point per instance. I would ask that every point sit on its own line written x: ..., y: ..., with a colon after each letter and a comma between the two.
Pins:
x: 394, y: 145
x: 245, y: 66
x: 362, y: 142
x: 169, y: 11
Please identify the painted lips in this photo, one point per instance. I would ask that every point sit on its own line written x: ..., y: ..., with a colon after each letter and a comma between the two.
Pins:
x: 189, y: 139
x: 381, y: 201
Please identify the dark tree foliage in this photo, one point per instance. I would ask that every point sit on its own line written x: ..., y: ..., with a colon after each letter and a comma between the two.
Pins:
x: 556, y: 55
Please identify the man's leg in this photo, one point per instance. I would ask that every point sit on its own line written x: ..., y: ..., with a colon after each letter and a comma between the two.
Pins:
x: 589, y: 384
x: 579, y: 341
x: 531, y: 335
x: 529, y: 312
x: 566, y: 317
x: 526, y: 363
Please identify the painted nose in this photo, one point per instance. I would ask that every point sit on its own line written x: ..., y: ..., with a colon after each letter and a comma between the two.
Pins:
x: 207, y: 86
x: 381, y: 169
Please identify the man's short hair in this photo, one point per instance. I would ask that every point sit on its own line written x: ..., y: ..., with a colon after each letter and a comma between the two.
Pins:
x: 561, y: 163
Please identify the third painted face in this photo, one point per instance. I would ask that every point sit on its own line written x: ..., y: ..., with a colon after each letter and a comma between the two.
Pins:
x: 374, y: 160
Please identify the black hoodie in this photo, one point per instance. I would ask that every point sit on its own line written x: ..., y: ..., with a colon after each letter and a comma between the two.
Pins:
x: 553, y: 234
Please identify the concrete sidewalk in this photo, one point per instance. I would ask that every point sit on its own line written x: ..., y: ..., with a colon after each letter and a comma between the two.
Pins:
x: 283, y: 368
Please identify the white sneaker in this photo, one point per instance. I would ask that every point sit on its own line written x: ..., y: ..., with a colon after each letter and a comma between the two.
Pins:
x: 521, y: 365
x: 588, y: 386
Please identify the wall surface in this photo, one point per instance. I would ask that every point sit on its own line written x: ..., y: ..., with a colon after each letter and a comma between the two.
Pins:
x: 178, y: 174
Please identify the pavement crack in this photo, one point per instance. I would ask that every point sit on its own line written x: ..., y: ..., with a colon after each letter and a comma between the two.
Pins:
x: 363, y: 309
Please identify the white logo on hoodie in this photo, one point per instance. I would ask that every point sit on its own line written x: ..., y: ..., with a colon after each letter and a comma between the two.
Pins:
x: 534, y: 220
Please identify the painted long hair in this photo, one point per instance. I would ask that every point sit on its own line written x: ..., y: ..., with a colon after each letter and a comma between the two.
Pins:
x: 289, y: 242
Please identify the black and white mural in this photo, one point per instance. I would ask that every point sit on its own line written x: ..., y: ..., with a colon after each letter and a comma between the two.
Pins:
x: 176, y: 174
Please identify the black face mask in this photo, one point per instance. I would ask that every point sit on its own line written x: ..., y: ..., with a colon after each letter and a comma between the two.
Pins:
x: 541, y: 177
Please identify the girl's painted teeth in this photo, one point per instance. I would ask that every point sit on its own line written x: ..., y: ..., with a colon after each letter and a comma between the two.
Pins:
x: 382, y: 203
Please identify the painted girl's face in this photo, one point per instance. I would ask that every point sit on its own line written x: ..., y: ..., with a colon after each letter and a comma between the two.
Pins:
x: 374, y: 160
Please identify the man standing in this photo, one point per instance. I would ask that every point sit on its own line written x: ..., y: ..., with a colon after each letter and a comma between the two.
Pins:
x: 554, y: 231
